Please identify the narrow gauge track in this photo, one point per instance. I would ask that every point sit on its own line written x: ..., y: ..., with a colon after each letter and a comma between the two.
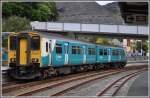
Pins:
x: 113, y: 88
x: 40, y: 87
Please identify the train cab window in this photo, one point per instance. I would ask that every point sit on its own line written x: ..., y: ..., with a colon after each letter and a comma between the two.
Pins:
x: 105, y: 51
x: 35, y: 43
x: 58, y: 49
x: 46, y: 46
x: 13, y: 43
x: 100, y: 51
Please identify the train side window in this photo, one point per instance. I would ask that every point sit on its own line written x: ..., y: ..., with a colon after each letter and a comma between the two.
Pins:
x: 79, y: 50
x: 105, y: 51
x: 73, y: 49
x: 100, y: 51
x: 89, y: 51
x: 118, y: 52
x: 58, y: 48
x: 49, y: 47
x: 113, y: 52
x: 46, y: 46
x: 13, y: 42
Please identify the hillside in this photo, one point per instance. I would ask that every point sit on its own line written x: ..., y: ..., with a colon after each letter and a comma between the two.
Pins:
x: 89, y: 12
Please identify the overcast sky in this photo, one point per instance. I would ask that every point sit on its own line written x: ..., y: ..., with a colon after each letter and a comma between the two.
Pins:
x: 104, y: 2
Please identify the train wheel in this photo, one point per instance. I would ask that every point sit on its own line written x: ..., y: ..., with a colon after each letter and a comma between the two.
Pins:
x: 43, y: 75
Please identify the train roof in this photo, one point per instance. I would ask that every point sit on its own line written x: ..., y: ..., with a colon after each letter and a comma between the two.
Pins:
x: 57, y: 36
x: 61, y: 37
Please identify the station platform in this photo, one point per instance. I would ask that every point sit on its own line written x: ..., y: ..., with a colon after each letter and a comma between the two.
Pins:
x: 139, y: 86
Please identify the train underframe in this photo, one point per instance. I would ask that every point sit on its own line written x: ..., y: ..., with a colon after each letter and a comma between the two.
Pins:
x: 34, y: 71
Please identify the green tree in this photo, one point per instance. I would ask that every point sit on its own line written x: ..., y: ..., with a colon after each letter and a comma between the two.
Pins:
x: 39, y: 11
x: 103, y: 41
x: 145, y: 46
x: 15, y: 24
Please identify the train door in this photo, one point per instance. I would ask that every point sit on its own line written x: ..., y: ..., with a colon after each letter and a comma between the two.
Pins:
x: 66, y: 52
x: 23, y: 51
x: 109, y: 55
x: 84, y: 55
x: 50, y: 55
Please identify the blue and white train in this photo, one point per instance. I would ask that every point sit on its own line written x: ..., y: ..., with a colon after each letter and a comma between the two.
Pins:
x: 32, y: 54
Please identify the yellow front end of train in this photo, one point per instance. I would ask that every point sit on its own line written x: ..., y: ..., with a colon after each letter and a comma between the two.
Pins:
x: 24, y: 54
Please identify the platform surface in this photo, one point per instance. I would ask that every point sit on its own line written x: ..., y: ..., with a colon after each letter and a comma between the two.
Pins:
x: 139, y: 86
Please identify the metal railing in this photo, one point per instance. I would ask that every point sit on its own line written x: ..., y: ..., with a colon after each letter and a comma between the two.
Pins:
x: 137, y: 58
x: 79, y: 27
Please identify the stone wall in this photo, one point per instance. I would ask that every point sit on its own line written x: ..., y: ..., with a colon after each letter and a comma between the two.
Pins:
x: 89, y: 12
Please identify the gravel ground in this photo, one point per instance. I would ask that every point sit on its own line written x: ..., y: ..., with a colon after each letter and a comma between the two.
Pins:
x: 89, y: 89
x: 94, y: 87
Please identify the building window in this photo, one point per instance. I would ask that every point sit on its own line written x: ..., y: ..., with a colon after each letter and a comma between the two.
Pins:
x: 58, y: 49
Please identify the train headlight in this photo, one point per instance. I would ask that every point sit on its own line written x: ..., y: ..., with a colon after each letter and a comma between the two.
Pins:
x: 35, y: 60
x: 13, y: 59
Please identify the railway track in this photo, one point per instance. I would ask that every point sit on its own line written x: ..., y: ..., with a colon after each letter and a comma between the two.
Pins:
x: 6, y: 84
x: 59, y: 93
x: 11, y: 86
x: 40, y: 87
x: 113, y: 88
x: 60, y: 85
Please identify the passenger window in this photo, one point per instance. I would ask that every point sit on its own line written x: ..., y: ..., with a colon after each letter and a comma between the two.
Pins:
x: 100, y: 51
x: 76, y: 50
x: 49, y: 47
x: 105, y: 52
x: 58, y: 49
x: 91, y: 51
x: 79, y: 50
x: 46, y: 46
x: 73, y: 49
x: 113, y: 52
